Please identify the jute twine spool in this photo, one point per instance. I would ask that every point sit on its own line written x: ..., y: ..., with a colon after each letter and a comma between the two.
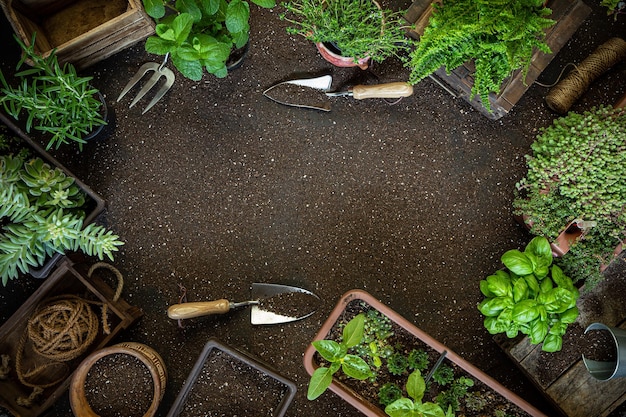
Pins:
x: 61, y: 329
x: 562, y: 96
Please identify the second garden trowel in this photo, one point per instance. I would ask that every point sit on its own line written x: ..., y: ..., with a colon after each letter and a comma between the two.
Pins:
x: 271, y: 304
x: 313, y: 93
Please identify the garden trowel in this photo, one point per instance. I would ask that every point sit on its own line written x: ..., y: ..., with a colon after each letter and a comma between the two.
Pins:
x: 271, y: 304
x: 313, y: 93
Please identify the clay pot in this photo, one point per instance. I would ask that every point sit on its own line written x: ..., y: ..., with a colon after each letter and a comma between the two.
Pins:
x: 146, y: 355
x: 341, y: 61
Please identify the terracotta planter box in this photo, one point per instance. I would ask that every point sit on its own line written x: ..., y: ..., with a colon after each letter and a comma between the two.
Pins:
x: 366, y: 407
x: 94, y: 204
x: 66, y: 279
x: 82, y: 31
x: 221, y: 366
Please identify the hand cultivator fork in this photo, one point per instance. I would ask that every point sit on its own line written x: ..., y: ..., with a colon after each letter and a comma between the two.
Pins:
x: 159, y: 71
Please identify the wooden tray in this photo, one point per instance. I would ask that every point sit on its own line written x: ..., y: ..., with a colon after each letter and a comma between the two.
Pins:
x: 82, y: 31
x: 568, y: 14
x: 66, y: 279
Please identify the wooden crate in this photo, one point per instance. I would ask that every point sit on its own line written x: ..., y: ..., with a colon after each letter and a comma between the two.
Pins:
x: 568, y: 14
x: 68, y: 278
x: 82, y: 31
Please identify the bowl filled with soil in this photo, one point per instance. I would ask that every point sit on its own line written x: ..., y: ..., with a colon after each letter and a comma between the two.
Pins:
x: 224, y: 378
x: 124, y: 380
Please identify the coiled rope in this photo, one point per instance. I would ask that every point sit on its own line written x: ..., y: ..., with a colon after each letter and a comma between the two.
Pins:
x: 562, y: 96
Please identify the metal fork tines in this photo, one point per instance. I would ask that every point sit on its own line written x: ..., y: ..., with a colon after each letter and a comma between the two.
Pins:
x: 159, y: 71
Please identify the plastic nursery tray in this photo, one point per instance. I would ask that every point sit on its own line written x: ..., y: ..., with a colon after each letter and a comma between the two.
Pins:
x: 212, y: 345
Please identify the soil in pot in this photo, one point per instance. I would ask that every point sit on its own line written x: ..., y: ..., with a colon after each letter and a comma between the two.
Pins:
x: 119, y: 385
x: 228, y: 387
x: 446, y: 385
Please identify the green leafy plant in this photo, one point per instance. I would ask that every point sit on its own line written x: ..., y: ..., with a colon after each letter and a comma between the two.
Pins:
x: 614, y: 7
x: 418, y: 359
x: 358, y: 28
x: 533, y: 297
x: 443, y: 375
x: 55, y: 99
x: 413, y: 406
x: 389, y: 393
x: 374, y: 347
x: 499, y: 36
x: 40, y: 214
x: 576, y: 171
x: 200, y: 34
x: 336, y: 353
x: 451, y: 398
x: 397, y: 363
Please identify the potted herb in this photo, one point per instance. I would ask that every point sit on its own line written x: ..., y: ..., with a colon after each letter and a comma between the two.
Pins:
x: 200, y: 35
x: 43, y: 213
x: 531, y: 296
x: 348, y: 32
x: 55, y: 98
x: 576, y: 171
x: 372, y: 358
x: 500, y: 38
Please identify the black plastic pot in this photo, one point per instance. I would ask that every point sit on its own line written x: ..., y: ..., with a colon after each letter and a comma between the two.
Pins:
x: 237, y: 56
x: 199, y: 374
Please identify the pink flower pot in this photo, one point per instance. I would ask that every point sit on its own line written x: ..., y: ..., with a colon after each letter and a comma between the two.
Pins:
x: 372, y: 410
x: 341, y: 61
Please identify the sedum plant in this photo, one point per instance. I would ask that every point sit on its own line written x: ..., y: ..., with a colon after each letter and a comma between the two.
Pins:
x: 357, y: 28
x: 40, y: 215
x: 499, y: 36
x: 54, y: 98
x: 336, y: 353
x: 532, y: 296
x: 200, y: 34
x: 577, y: 171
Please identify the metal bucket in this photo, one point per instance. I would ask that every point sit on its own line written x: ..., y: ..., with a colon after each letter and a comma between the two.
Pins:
x: 605, y: 370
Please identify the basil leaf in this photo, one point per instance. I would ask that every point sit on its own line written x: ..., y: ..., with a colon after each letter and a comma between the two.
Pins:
x: 558, y: 329
x: 520, y: 290
x: 353, y: 332
x: 499, y: 285
x: 512, y: 331
x: 517, y: 262
x: 538, y: 331
x: 533, y: 284
x: 329, y: 350
x: 560, y: 278
x: 569, y: 315
x: 552, y: 343
x: 402, y: 407
x: 492, y: 307
x: 525, y: 311
x: 356, y: 367
x: 416, y: 386
x: 320, y: 381
x: 484, y: 288
x: 494, y: 326
x: 539, y: 247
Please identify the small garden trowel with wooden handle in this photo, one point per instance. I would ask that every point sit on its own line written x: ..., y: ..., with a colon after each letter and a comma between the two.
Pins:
x: 271, y: 304
x: 313, y: 93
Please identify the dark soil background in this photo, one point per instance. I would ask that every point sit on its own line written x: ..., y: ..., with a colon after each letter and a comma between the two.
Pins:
x: 218, y: 187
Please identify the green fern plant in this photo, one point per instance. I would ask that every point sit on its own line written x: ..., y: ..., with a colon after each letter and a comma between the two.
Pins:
x: 500, y: 36
x: 40, y: 215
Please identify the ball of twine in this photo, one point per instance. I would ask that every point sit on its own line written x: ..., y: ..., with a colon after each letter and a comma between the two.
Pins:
x: 63, y: 328
x: 562, y: 96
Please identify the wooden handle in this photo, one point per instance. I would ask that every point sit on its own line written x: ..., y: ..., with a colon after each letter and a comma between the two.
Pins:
x: 390, y: 90
x: 197, y: 309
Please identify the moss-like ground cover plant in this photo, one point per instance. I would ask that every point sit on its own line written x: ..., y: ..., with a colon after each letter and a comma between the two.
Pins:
x: 576, y: 171
x: 358, y: 28
x: 499, y: 36
x: 532, y: 296
x: 199, y: 35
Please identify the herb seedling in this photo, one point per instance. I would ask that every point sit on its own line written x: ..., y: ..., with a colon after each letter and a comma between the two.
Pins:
x: 413, y: 406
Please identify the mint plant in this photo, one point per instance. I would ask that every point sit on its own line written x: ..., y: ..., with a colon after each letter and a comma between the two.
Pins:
x: 200, y: 34
x: 336, y: 353
x: 413, y: 406
x: 532, y: 296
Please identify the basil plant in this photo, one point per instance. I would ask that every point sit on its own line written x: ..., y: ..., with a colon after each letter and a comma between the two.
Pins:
x: 532, y: 296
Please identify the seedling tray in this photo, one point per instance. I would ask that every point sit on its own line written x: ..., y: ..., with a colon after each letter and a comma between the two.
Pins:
x: 242, y: 364
x: 68, y: 278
